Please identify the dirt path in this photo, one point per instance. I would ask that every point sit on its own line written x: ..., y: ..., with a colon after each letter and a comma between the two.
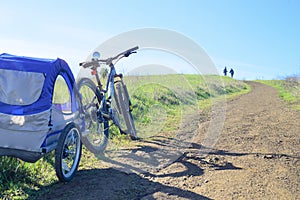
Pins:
x: 256, y: 157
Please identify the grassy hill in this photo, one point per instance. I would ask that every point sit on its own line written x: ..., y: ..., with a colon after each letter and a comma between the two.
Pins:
x: 288, y: 90
x: 160, y: 100
x: 159, y: 103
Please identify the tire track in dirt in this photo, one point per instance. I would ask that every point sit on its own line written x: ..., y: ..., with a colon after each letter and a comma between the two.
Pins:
x: 256, y: 157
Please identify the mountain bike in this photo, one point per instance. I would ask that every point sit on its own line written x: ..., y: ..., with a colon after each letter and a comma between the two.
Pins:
x: 101, y: 105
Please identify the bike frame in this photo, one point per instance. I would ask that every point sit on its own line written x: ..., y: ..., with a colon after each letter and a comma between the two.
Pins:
x: 109, y: 81
x: 106, y: 95
x: 109, y: 87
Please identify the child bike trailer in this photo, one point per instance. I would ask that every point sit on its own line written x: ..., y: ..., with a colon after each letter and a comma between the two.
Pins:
x: 39, y: 112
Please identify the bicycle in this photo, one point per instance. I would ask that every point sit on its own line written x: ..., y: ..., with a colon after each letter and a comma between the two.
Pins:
x: 100, y: 105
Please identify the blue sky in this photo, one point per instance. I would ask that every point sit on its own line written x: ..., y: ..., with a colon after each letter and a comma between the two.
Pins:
x: 259, y: 39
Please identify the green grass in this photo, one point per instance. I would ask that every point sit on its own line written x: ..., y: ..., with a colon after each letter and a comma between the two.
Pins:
x: 288, y: 90
x: 160, y: 102
x: 18, y: 178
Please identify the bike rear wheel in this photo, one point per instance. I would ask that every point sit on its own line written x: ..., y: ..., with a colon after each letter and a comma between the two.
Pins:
x: 95, y: 134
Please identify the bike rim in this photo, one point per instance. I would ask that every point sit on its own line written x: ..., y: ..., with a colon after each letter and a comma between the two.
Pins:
x: 70, y: 153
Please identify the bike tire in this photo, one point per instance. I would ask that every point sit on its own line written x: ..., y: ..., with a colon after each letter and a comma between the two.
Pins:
x: 68, y: 153
x: 122, y: 98
x: 95, y: 135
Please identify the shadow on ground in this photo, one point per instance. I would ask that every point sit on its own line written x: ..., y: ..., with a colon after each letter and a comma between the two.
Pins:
x: 110, y: 184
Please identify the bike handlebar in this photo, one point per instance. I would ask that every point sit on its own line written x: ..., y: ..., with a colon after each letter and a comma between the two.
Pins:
x: 126, y: 53
x: 108, y: 61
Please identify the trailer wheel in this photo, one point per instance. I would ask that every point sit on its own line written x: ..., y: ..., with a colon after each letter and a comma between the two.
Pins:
x: 68, y: 153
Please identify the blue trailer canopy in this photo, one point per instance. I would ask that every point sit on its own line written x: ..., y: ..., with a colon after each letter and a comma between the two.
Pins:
x: 26, y: 84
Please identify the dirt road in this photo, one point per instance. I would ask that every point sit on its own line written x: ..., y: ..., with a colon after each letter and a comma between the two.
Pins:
x: 256, y: 157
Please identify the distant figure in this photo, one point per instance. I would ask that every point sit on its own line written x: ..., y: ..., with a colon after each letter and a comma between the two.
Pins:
x: 225, y: 71
x: 231, y: 72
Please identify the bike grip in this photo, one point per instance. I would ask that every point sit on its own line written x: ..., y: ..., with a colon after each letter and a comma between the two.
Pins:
x: 130, y: 51
x: 134, y: 48
x: 86, y: 64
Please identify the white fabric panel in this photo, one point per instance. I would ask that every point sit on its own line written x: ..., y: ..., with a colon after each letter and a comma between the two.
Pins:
x: 31, y: 123
x: 20, y: 88
x: 28, y: 132
x: 22, y: 140
x: 24, y: 132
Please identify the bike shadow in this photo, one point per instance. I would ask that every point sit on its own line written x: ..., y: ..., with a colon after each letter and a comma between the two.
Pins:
x: 158, y: 153
x: 111, y: 184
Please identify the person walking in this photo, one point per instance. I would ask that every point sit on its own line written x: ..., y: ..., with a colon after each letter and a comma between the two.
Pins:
x: 225, y: 71
x: 231, y: 72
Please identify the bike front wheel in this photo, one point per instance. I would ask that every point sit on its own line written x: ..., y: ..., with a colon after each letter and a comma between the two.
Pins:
x: 123, y: 108
x: 95, y: 134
